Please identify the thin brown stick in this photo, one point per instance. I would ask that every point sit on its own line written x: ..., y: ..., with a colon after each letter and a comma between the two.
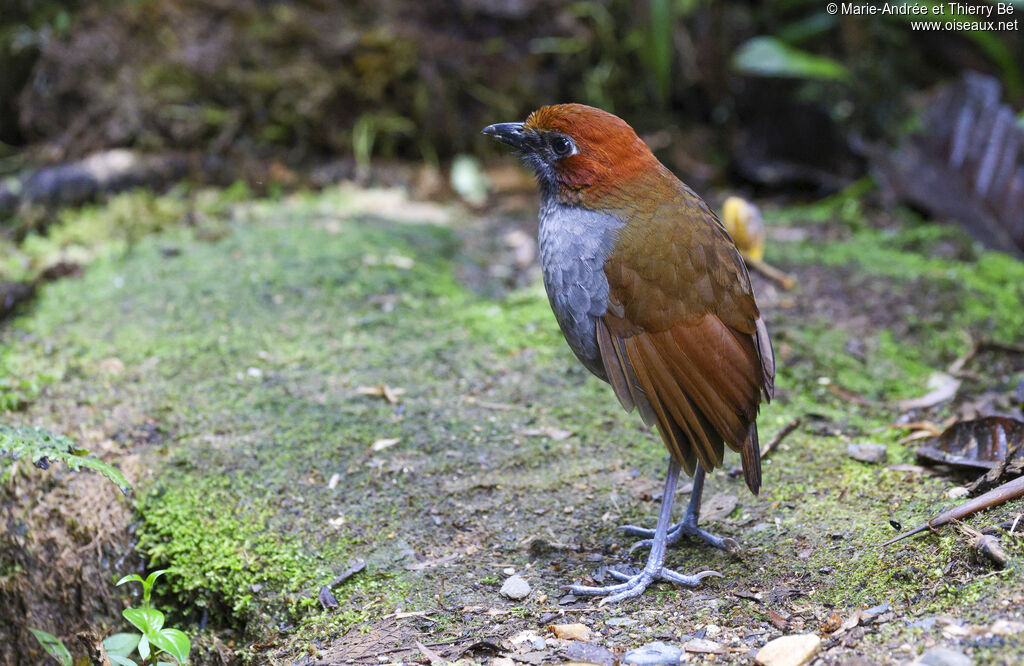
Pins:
x: 784, y: 280
x: 999, y: 495
x: 779, y: 436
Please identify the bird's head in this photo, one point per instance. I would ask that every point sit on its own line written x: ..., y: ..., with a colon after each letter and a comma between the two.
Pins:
x: 577, y: 151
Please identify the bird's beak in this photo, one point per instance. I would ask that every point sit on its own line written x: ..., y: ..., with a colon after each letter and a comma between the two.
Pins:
x: 514, y: 134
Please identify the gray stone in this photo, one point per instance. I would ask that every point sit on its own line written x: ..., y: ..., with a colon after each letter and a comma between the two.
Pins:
x: 589, y: 653
x: 653, y: 654
x: 515, y: 587
x: 620, y: 622
x: 873, y: 612
x: 923, y: 623
x: 940, y: 656
x: 868, y: 453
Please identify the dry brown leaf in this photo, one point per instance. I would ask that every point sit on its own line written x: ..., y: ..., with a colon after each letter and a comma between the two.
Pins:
x: 833, y: 623
x: 389, y: 393
x: 779, y: 621
x: 571, y: 632
x: 718, y: 506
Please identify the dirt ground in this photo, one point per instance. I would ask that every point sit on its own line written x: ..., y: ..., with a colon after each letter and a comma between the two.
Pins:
x: 352, y: 376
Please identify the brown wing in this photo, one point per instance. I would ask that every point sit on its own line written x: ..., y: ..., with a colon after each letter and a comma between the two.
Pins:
x: 683, y: 340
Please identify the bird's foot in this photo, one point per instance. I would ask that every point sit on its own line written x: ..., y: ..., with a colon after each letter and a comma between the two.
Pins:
x: 675, y: 533
x: 633, y: 586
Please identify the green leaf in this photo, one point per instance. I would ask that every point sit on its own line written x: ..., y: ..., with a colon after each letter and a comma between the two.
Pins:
x: 118, y: 660
x: 147, y: 586
x: 174, y: 643
x: 121, y: 645
x: 144, y: 647
x: 147, y: 620
x: 770, y: 57
x: 131, y: 577
x: 37, y: 444
x: 53, y: 646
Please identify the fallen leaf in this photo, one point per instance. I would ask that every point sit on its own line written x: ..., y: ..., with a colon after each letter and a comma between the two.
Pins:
x: 944, y: 387
x: 977, y: 443
x: 382, y: 444
x: 572, y: 632
x: 834, y: 621
x: 778, y: 620
x: 645, y: 488
x: 389, y: 393
x: 547, y: 431
x: 718, y: 506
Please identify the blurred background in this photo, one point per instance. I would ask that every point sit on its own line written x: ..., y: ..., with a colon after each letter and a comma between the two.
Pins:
x: 776, y: 97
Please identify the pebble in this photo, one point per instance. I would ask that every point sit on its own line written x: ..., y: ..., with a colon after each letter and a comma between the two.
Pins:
x: 589, y: 653
x: 875, y: 611
x: 940, y: 656
x: 515, y: 587
x: 923, y: 623
x: 703, y: 646
x: 653, y: 654
x: 620, y: 622
x: 793, y: 650
x: 868, y: 453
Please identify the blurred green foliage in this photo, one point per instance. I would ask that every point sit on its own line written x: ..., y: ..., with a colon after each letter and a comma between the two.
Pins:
x: 373, y: 78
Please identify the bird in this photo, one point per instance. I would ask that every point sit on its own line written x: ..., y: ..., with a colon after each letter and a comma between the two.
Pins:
x: 654, y: 298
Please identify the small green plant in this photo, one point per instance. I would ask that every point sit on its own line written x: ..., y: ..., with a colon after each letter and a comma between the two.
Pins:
x: 42, y: 447
x: 53, y: 646
x: 155, y: 637
x: 154, y: 641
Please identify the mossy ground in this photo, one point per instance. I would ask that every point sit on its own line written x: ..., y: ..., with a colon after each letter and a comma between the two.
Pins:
x: 243, y: 367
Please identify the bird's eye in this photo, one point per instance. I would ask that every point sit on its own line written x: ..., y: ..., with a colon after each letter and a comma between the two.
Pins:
x: 561, y: 146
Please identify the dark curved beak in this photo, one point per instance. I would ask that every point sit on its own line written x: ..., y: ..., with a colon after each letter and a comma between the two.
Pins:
x: 514, y: 134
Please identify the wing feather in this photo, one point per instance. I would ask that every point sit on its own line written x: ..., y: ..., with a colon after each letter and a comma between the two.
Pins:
x: 682, y: 338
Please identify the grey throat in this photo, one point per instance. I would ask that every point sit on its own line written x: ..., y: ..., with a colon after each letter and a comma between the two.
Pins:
x: 575, y: 243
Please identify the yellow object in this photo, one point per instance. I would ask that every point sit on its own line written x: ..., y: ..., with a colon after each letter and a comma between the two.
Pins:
x: 743, y: 221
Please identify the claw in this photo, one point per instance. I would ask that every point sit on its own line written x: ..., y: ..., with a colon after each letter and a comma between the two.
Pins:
x: 635, y: 585
x: 632, y: 586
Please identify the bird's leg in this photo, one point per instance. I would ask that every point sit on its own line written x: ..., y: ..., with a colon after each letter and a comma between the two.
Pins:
x: 633, y: 586
x: 688, y: 525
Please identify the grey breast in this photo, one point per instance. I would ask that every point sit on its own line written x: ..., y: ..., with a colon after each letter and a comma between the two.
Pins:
x: 575, y: 243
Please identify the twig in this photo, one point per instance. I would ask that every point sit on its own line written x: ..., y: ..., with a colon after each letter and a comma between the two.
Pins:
x: 779, y: 436
x: 1004, y: 493
x: 431, y: 656
x: 784, y: 280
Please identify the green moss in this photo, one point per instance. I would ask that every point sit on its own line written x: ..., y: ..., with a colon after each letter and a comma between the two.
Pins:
x: 223, y: 538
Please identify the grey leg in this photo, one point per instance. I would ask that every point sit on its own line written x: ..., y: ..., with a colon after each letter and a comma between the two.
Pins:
x: 688, y: 525
x: 654, y: 570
